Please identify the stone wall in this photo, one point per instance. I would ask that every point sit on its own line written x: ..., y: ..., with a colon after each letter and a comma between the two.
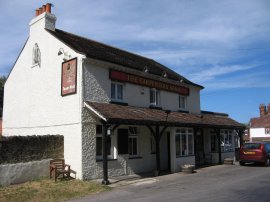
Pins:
x: 17, y: 149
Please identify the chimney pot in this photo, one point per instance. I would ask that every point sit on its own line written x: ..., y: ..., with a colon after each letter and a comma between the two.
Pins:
x: 43, y: 8
x: 262, y: 109
x: 37, y: 12
x: 48, y: 7
x: 40, y: 10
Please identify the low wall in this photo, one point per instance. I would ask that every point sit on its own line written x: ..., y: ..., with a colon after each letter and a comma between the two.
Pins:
x: 22, y: 172
x: 17, y: 149
x: 25, y: 158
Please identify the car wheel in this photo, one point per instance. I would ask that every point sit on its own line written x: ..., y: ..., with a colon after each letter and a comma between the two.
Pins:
x: 267, y: 163
x: 241, y: 163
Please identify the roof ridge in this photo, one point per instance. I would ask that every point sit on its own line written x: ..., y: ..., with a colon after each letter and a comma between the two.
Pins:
x: 83, y: 37
x: 101, y: 51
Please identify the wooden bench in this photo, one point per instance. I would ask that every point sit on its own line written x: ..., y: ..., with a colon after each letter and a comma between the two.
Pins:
x: 59, y: 168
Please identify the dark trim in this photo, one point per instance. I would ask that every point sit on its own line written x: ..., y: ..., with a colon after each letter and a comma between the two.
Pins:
x: 155, y: 107
x: 136, y: 157
x: 119, y: 103
x: 101, y: 160
x: 183, y: 111
x: 165, y: 123
x: 184, y: 156
x: 214, y: 113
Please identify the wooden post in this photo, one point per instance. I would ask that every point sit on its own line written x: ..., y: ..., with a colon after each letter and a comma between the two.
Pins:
x: 104, y: 153
x: 219, y: 146
x: 157, y: 139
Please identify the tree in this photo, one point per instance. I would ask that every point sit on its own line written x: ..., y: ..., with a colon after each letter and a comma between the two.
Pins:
x: 2, y: 83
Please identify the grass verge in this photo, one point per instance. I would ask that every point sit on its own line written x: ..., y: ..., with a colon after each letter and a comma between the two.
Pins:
x: 48, y: 190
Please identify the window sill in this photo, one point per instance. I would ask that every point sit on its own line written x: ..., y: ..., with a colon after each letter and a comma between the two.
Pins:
x: 34, y: 65
x: 118, y: 102
x: 101, y: 160
x: 135, y: 157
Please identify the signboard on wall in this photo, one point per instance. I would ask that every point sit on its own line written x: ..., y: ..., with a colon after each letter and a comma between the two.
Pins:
x: 131, y: 78
x: 69, y: 77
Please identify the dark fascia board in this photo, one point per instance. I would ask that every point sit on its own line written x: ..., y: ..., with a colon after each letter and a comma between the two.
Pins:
x: 214, y: 113
x: 172, y: 124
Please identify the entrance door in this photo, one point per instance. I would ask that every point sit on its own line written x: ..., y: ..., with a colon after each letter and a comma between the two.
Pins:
x: 122, y: 141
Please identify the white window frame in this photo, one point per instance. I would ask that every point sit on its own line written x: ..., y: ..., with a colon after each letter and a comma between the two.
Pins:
x: 180, y: 133
x: 116, y: 91
x: 156, y: 96
x: 226, y: 140
x: 182, y: 106
x: 133, y: 134
x: 100, y: 157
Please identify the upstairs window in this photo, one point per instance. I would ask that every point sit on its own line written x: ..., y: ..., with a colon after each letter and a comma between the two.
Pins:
x: 182, y: 102
x: 36, y: 55
x: 117, y: 91
x: 154, y: 97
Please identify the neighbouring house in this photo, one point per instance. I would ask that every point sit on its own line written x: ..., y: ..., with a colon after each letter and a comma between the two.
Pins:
x: 259, y: 127
x: 119, y: 112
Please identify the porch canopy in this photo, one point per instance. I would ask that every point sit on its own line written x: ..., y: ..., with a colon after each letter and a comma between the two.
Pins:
x: 122, y: 114
x: 156, y: 120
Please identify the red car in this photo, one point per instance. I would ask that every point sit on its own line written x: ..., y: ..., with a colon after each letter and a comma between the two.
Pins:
x: 255, y: 152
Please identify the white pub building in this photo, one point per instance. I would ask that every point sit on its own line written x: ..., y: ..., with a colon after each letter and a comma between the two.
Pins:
x: 120, y: 113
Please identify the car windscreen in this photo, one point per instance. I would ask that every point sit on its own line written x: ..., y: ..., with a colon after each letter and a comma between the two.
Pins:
x: 252, y: 146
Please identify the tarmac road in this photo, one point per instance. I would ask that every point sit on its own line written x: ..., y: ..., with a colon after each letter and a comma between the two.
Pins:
x: 217, y: 183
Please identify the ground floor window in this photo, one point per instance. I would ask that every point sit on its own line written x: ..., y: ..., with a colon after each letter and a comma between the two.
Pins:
x: 99, y: 146
x: 133, y: 141
x: 226, y: 140
x: 184, y: 142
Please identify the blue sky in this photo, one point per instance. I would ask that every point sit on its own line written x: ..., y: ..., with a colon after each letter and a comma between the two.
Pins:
x: 222, y: 45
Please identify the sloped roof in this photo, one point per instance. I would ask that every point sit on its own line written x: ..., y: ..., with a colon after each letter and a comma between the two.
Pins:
x: 260, y: 122
x: 114, y: 113
x: 100, y: 51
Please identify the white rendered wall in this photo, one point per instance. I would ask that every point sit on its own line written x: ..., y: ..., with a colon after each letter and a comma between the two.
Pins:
x: 33, y: 104
x: 98, y: 88
x: 258, y: 132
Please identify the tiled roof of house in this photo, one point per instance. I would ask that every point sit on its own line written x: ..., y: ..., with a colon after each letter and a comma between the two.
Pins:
x: 100, y: 51
x: 114, y: 113
x: 260, y: 122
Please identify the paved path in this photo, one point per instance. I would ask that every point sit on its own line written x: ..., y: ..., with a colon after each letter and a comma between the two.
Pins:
x: 217, y: 183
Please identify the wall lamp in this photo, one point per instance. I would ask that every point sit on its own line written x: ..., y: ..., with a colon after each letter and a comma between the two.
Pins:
x: 66, y: 55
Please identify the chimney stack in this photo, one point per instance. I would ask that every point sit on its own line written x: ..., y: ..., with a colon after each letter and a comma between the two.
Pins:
x: 43, y: 19
x: 263, y: 109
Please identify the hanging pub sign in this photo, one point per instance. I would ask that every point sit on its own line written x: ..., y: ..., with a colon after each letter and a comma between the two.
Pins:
x: 131, y: 78
x: 69, y: 77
